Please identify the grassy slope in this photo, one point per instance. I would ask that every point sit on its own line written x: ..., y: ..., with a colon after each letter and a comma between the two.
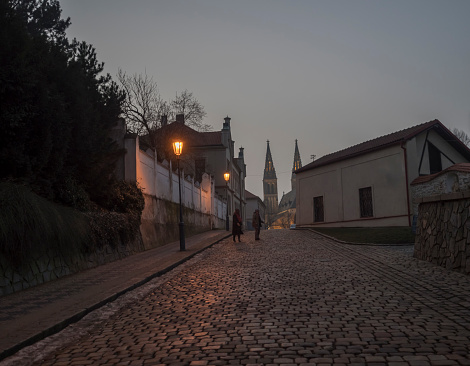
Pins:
x: 375, y: 235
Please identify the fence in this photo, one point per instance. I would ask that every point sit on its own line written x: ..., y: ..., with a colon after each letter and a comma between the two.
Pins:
x: 203, y: 209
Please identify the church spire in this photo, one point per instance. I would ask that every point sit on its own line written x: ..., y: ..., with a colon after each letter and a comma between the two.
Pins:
x: 297, y: 161
x: 297, y: 164
x: 269, y: 171
x: 270, y: 188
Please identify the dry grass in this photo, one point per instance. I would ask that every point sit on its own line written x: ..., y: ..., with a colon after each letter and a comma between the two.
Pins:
x: 375, y: 235
x: 30, y: 223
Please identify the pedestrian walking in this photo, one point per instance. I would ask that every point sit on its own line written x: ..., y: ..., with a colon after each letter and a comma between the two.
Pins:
x: 257, y: 223
x: 237, y: 225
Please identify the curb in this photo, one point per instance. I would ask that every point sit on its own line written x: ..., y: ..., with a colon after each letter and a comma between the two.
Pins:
x: 76, y: 317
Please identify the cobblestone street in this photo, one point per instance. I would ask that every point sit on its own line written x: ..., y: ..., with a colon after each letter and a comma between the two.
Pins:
x: 293, y: 297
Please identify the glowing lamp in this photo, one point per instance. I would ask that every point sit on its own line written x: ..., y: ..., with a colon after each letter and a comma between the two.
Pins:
x: 178, y: 147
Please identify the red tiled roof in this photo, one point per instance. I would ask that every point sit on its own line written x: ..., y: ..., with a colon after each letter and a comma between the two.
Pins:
x: 383, y: 142
x: 461, y: 167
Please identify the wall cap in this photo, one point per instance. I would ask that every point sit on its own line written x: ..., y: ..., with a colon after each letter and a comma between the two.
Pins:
x: 443, y: 197
x: 432, y: 198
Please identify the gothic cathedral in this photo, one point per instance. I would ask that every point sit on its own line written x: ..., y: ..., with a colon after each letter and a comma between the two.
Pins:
x: 270, y: 188
x: 280, y: 215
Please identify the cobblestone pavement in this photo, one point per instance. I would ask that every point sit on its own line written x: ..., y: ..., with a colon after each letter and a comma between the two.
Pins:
x: 292, y: 298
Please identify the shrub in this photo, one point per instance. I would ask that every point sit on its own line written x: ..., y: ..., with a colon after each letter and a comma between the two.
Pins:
x: 70, y: 193
x: 30, y: 223
x: 110, y: 228
x: 126, y: 197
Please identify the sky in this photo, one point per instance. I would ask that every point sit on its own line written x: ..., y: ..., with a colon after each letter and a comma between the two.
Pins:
x: 329, y: 73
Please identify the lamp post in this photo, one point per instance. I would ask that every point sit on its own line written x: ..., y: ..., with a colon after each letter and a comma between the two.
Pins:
x: 226, y: 177
x: 178, y: 149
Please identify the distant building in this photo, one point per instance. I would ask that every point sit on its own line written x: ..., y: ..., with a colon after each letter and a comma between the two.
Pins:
x: 280, y: 215
x: 253, y: 202
x: 270, y: 187
x: 369, y: 184
x: 212, y: 153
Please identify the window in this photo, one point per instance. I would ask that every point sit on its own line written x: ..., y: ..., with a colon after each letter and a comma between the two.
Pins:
x: 435, y: 163
x: 318, y: 211
x: 365, y: 202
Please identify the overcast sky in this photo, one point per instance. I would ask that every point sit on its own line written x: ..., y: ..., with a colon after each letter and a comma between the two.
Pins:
x: 330, y: 73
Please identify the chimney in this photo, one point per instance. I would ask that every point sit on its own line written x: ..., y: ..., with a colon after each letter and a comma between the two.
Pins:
x: 226, y: 135
x: 164, y: 120
x: 227, y: 123
x: 180, y: 118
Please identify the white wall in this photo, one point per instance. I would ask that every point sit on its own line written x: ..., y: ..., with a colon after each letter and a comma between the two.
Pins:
x: 339, y: 184
x: 158, y: 180
x: 384, y: 171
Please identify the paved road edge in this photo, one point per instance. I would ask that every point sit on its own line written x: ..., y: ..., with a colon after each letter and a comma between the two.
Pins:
x: 76, y: 317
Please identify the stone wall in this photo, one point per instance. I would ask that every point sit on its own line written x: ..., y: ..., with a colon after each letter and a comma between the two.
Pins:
x: 160, y: 222
x: 159, y: 226
x: 443, y: 231
x: 48, y: 266
x: 445, y: 182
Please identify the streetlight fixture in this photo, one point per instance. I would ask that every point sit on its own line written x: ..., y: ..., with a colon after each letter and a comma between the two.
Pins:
x: 226, y: 177
x: 178, y: 149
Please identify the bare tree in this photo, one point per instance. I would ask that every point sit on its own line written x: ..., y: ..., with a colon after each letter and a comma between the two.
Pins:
x: 194, y: 113
x: 462, y: 136
x: 143, y: 106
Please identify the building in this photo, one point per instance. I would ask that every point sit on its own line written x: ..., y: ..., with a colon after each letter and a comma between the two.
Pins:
x: 369, y: 184
x: 253, y: 202
x: 213, y: 153
x: 270, y: 188
x: 280, y: 215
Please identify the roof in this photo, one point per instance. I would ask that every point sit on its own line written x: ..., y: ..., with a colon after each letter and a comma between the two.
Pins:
x: 461, y: 167
x: 386, y: 141
x: 209, y: 139
x: 287, y: 201
x: 249, y: 195
x: 191, y: 137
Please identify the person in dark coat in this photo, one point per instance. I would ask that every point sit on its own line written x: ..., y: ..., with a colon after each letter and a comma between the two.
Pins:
x: 237, y: 225
x: 257, y: 223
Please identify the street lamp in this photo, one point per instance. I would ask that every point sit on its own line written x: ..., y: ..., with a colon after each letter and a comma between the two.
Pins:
x: 178, y: 149
x: 226, y: 177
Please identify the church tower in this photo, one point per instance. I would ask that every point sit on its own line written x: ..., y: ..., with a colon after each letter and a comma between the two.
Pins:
x: 297, y: 165
x: 270, y: 187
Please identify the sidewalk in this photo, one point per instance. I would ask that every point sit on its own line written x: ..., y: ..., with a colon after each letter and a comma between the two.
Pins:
x: 36, y: 313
